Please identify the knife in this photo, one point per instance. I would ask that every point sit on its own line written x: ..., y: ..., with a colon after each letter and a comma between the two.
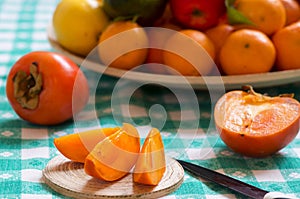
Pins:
x: 231, y: 183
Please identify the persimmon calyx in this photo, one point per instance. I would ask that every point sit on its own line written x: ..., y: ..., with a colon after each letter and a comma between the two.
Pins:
x: 260, y: 97
x: 28, y: 87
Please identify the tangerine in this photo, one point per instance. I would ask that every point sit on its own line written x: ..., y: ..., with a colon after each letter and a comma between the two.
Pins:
x: 267, y: 16
x: 157, y: 39
x: 190, y: 52
x: 123, y: 45
x: 218, y: 35
x: 286, y: 42
x: 292, y: 10
x: 247, y: 51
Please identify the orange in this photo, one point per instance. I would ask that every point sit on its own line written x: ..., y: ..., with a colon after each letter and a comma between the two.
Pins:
x: 157, y: 38
x: 292, y: 10
x: 189, y: 52
x: 256, y: 125
x: 247, y: 51
x: 268, y: 16
x: 287, y: 44
x: 123, y: 45
x: 218, y: 35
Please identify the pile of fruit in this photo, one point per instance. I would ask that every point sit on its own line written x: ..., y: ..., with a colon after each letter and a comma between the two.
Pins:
x: 239, y: 36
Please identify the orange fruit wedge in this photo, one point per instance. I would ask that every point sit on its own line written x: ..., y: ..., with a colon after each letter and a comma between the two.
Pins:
x: 151, y: 164
x: 256, y: 125
x: 78, y: 145
x: 113, y: 157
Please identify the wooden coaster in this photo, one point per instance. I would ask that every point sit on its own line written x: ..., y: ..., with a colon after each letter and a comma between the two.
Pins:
x: 68, y: 178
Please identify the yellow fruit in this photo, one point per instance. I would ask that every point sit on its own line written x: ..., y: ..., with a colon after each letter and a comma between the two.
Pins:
x: 78, y: 24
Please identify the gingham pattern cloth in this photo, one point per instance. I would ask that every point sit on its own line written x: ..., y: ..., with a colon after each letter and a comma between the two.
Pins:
x: 25, y: 149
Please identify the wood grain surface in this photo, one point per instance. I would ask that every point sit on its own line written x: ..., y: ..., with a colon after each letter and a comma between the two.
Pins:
x: 68, y: 178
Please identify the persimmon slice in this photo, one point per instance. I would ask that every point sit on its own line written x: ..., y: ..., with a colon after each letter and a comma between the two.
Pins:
x: 256, y: 125
x: 113, y: 157
x: 77, y: 146
x: 151, y: 164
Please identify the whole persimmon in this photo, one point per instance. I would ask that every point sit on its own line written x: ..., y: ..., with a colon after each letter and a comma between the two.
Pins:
x: 46, y: 88
x: 256, y: 125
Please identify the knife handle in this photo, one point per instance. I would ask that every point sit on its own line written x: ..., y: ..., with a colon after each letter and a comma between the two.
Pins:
x: 277, y: 195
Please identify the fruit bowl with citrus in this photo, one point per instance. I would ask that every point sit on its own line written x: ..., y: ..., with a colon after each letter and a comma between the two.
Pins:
x: 239, y: 42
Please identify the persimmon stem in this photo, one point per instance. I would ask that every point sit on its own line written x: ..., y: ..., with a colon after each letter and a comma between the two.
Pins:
x: 28, y: 87
x: 250, y: 90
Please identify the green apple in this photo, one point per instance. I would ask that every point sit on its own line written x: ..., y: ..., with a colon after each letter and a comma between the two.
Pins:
x: 78, y: 24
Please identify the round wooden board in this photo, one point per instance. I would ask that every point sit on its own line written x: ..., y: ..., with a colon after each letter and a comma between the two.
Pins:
x: 68, y: 178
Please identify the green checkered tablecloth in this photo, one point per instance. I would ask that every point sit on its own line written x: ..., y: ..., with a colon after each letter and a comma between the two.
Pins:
x: 25, y: 149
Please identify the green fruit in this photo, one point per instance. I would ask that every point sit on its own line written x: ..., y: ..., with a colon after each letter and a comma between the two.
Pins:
x: 147, y: 11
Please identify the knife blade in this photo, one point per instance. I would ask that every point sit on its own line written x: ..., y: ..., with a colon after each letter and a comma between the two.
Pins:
x: 231, y: 183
